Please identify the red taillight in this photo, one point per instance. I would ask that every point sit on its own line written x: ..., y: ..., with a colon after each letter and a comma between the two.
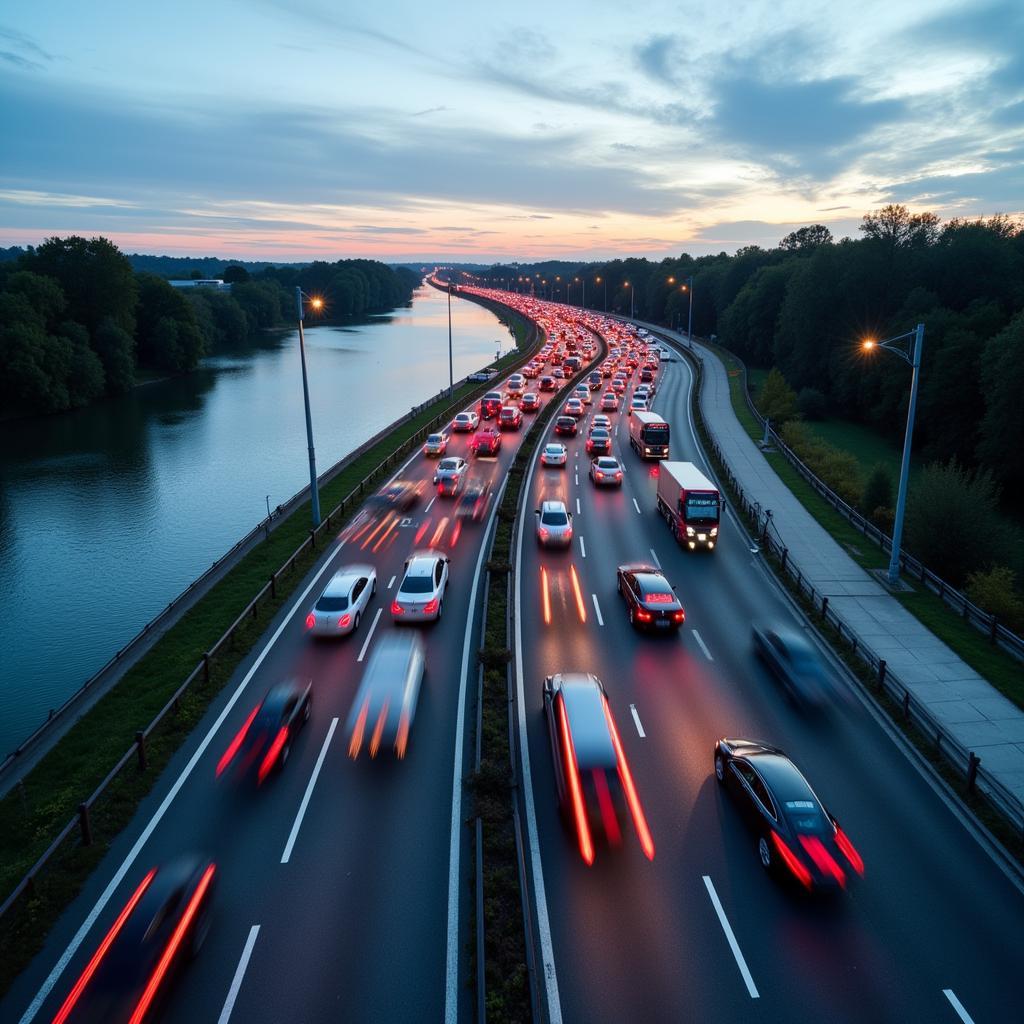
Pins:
x: 310, y: 620
x: 575, y: 790
x: 233, y: 746
x: 430, y: 608
x: 396, y: 608
x: 345, y: 620
x: 626, y: 777
x: 543, y: 533
x: 75, y: 994
x: 642, y: 615
x: 598, y: 474
x: 275, y: 749
x: 172, y: 947
x: 823, y: 860
x: 679, y: 616
x: 791, y: 860
x: 849, y: 851
x: 618, y: 476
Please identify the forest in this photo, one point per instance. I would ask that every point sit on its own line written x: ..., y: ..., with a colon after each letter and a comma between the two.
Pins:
x: 79, y: 323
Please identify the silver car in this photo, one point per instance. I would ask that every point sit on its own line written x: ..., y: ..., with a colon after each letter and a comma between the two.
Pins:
x: 554, y: 524
x: 420, y: 595
x: 449, y: 474
x: 343, y: 603
x: 554, y: 455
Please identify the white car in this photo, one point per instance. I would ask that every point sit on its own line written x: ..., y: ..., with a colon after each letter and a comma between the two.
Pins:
x: 637, y: 404
x: 467, y: 421
x: 435, y: 445
x: 421, y: 593
x: 516, y: 384
x: 449, y: 474
x: 554, y: 524
x: 606, y: 472
x: 582, y: 392
x: 554, y: 455
x: 343, y: 603
x: 602, y: 421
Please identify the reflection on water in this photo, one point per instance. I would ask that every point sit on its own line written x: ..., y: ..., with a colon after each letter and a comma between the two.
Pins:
x: 108, y: 512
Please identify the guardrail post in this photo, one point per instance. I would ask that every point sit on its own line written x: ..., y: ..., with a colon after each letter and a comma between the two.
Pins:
x: 881, y: 671
x: 206, y: 666
x: 83, y: 823
x: 140, y: 746
x: 273, y: 584
x: 906, y: 704
x: 824, y: 607
x: 993, y: 629
x: 972, y: 770
x: 312, y: 539
x: 785, y: 555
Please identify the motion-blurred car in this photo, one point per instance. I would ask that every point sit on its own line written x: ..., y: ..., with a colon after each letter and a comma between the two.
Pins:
x: 554, y: 454
x: 592, y: 775
x: 606, y: 472
x: 435, y: 445
x: 599, y: 442
x: 530, y: 402
x: 510, y: 418
x: 486, y: 441
x: 796, y: 835
x: 161, y: 927
x: 265, y: 740
x: 794, y: 661
x: 420, y: 595
x: 400, y: 495
x: 449, y: 474
x: 466, y: 421
x: 650, y: 599
x: 474, y: 501
x: 554, y: 524
x: 341, y: 606
x: 566, y: 425
x: 385, y: 703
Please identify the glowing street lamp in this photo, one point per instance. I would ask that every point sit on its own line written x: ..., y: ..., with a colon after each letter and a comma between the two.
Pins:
x: 316, y: 303
x: 605, y: 292
x: 632, y: 296
x: 912, y: 355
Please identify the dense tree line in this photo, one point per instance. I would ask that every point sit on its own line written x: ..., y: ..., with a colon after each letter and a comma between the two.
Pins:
x: 78, y: 322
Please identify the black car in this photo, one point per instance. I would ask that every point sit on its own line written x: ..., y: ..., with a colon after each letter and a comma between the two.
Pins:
x: 595, y: 785
x: 796, y: 835
x: 794, y: 661
x: 490, y: 405
x: 474, y: 501
x: 161, y: 927
x: 651, y: 600
x: 265, y: 739
x: 566, y: 425
x: 401, y: 495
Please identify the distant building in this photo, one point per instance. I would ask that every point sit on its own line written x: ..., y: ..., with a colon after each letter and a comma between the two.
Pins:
x: 203, y: 282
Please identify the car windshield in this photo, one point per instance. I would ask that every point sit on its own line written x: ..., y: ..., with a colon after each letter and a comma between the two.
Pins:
x: 446, y: 464
x: 554, y: 449
x: 607, y: 464
x: 599, y: 434
x: 417, y: 585
x: 332, y: 604
x: 435, y: 439
x: 554, y: 519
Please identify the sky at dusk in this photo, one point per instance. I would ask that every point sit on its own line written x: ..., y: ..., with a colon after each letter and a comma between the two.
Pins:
x: 409, y: 131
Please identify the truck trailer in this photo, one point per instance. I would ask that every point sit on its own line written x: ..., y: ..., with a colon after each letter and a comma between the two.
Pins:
x: 690, y: 504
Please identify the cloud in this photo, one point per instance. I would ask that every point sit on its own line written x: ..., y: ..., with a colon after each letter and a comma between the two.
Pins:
x: 653, y: 58
x: 22, y: 52
x: 429, y: 110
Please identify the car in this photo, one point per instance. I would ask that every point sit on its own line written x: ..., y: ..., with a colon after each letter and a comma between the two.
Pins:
x: 482, y: 375
x: 547, y: 383
x: 558, y: 373
x: 618, y: 385
x: 385, y: 704
x: 599, y: 442
x: 794, y: 661
x: 473, y: 503
x: 555, y: 454
x: 510, y: 418
x: 486, y: 441
x: 646, y: 376
x: 610, y: 401
x: 435, y: 445
x: 263, y: 743
x: 400, y: 494
x: 449, y: 474
x: 637, y: 404
x: 796, y: 835
x: 650, y: 599
x: 594, y: 379
x: 490, y: 405
x: 592, y: 776
x: 566, y: 425
x: 531, y: 370
x: 554, y: 524
x: 573, y: 407
x: 600, y: 422
x: 582, y: 392
x: 606, y: 472
x: 466, y: 421
x: 420, y: 595
x: 160, y: 929
x: 607, y: 370
x: 530, y: 402
x: 516, y: 384
x: 342, y: 605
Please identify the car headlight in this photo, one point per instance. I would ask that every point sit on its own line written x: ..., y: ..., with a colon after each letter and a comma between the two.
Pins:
x: 714, y: 531
x: 690, y: 531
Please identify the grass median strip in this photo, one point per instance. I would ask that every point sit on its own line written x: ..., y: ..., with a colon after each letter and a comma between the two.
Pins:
x: 35, y: 811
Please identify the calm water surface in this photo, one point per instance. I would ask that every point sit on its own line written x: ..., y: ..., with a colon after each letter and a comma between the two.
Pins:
x: 107, y: 513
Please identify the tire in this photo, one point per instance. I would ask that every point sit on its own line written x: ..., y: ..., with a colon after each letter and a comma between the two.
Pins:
x: 199, y: 933
x: 764, y: 853
x: 720, y: 769
x: 307, y: 709
x: 355, y: 625
x: 632, y: 618
x: 440, y: 609
x: 618, y: 584
x: 373, y: 591
x: 285, y: 751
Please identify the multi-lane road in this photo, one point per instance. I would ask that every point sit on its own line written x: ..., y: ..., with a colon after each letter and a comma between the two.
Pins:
x: 342, y: 888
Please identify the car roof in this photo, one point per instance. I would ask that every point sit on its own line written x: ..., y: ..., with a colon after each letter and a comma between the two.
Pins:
x: 588, y: 727
x: 422, y: 564
x: 653, y: 580
x: 782, y: 776
x: 552, y: 506
x: 556, y: 444
x: 341, y: 582
x: 606, y: 461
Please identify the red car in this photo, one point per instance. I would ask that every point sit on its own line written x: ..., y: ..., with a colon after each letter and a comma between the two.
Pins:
x: 490, y: 405
x: 547, y: 383
x: 486, y: 441
x: 530, y: 402
x: 510, y: 418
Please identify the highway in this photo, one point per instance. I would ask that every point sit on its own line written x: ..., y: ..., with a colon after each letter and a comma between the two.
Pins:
x: 701, y: 932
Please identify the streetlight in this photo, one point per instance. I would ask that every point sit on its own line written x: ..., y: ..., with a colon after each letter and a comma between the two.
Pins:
x: 632, y: 295
x: 315, y: 303
x: 583, y: 299
x: 688, y: 287
x: 913, y: 357
x: 598, y: 280
x: 451, y: 375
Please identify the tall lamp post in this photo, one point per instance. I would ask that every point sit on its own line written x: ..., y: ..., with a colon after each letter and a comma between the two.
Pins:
x: 689, y: 316
x: 451, y: 375
x: 598, y: 280
x: 316, y: 303
x: 632, y: 296
x: 911, y: 354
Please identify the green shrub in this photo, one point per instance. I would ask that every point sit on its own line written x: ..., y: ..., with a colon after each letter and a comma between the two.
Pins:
x: 777, y: 400
x: 995, y: 591
x: 877, y: 492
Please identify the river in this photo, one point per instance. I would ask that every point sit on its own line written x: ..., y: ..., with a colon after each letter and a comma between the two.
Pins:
x: 108, y: 512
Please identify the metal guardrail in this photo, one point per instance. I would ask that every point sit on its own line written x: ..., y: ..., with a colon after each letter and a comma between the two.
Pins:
x: 977, y: 778
x: 982, y: 620
x: 137, y: 752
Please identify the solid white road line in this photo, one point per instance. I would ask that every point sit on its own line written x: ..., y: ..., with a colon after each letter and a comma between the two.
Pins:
x: 429, y: 503
x: 636, y: 718
x: 286, y: 856
x: 597, y: 609
x: 236, y: 981
x: 451, y: 986
x: 703, y: 646
x: 391, y: 582
x: 583, y: 547
x: 577, y: 506
x: 636, y: 506
x: 655, y: 557
x: 133, y: 853
x: 957, y: 1006
x: 369, y: 635
x: 733, y: 945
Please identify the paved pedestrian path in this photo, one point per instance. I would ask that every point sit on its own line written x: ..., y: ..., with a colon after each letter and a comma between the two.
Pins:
x: 980, y: 717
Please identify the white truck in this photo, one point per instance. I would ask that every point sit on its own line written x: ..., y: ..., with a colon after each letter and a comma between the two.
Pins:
x: 690, y: 504
x: 648, y: 435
